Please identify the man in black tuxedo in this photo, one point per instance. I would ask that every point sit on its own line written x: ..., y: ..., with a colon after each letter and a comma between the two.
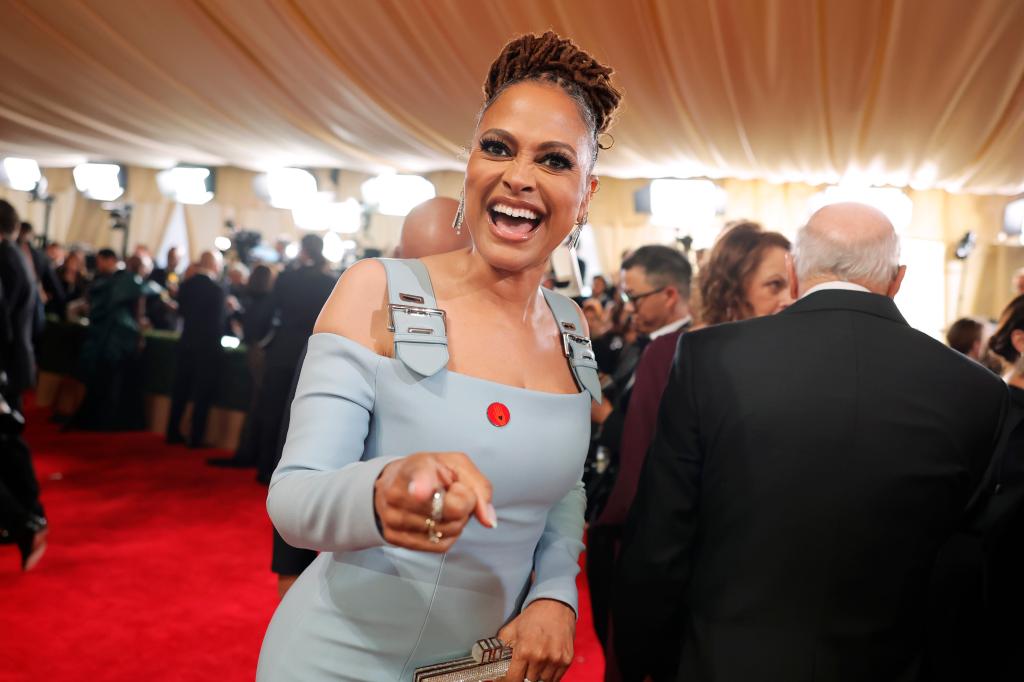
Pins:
x: 299, y: 295
x: 21, y: 514
x: 202, y: 303
x: 806, y: 470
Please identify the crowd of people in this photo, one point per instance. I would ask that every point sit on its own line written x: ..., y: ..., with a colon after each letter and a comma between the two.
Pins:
x: 782, y: 480
x: 270, y: 308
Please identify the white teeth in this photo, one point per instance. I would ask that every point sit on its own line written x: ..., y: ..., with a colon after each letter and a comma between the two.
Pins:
x: 515, y: 212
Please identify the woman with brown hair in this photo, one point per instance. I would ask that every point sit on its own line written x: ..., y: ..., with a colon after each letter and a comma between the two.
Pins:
x: 440, y: 421
x: 745, y: 275
x: 1008, y: 343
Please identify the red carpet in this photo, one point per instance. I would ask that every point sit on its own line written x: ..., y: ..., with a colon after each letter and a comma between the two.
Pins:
x: 157, y: 568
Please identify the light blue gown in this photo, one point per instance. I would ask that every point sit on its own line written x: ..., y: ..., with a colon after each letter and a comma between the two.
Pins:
x: 365, y: 610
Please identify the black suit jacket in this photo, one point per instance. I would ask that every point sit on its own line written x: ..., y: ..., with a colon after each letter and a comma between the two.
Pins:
x: 298, y: 297
x: 201, y: 304
x: 19, y: 307
x: 806, y: 470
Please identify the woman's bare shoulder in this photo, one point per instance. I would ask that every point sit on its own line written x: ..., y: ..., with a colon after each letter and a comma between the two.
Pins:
x: 357, y: 308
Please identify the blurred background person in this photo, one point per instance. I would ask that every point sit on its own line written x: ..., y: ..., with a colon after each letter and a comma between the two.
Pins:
x: 55, y: 252
x: 282, y: 245
x: 257, y: 319
x: 600, y: 291
x: 238, y: 279
x: 1017, y: 282
x: 656, y: 289
x: 22, y: 519
x: 44, y: 274
x: 167, y: 276
x: 73, y: 278
x: 299, y: 295
x: 110, y: 358
x: 107, y: 265
x: 203, y: 309
x: 597, y: 319
x: 965, y: 336
x: 995, y: 653
x: 745, y: 275
x: 162, y: 310
x: 428, y: 230
x: 619, y: 333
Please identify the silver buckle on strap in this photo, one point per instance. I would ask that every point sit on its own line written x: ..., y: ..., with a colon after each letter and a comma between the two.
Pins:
x: 414, y: 310
x: 568, y: 339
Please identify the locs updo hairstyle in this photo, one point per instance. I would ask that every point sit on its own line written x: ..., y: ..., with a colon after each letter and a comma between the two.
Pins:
x: 549, y: 58
x: 1001, y: 342
x: 733, y: 260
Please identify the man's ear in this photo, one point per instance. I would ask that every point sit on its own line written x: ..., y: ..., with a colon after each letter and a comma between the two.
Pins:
x: 894, y: 288
x: 794, y: 286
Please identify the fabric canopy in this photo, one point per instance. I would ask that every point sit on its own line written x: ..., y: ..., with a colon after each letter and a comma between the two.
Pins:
x: 926, y: 93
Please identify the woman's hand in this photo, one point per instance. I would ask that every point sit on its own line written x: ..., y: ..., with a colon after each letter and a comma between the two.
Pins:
x: 404, y: 490
x: 541, y: 638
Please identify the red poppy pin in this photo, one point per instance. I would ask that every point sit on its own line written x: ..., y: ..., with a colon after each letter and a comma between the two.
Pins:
x: 498, y: 414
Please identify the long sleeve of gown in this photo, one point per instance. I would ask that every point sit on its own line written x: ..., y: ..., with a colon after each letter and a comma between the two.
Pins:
x: 556, y: 559
x: 321, y: 495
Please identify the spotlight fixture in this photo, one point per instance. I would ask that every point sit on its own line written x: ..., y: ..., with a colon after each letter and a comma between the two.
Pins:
x: 99, y: 181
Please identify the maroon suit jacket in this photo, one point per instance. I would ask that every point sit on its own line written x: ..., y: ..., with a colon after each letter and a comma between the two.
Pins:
x: 641, y: 419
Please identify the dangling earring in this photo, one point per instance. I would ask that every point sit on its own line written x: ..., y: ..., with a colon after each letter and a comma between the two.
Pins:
x: 459, y: 214
x: 574, y: 236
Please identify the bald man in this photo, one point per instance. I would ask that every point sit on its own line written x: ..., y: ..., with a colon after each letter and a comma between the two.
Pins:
x: 202, y: 306
x: 806, y: 469
x: 428, y: 230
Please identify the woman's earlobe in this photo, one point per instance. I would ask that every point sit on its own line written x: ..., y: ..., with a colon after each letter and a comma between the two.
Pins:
x: 1017, y: 340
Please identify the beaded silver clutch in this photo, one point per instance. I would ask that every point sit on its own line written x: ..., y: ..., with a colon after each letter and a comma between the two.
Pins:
x: 488, y: 662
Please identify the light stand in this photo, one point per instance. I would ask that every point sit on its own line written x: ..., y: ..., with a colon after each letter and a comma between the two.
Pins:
x: 121, y: 219
x: 39, y: 193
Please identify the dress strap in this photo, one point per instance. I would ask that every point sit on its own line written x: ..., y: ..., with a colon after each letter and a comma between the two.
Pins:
x: 577, y: 347
x: 421, y: 338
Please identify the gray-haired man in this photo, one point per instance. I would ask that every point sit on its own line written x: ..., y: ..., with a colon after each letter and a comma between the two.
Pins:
x: 807, y: 468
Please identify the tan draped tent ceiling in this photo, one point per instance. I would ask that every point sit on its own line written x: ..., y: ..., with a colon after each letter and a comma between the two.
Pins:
x: 922, y: 93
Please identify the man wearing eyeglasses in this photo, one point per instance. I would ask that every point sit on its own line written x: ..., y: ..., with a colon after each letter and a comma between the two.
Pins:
x: 655, y: 286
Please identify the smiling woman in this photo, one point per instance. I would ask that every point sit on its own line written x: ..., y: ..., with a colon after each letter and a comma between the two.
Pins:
x: 442, y: 398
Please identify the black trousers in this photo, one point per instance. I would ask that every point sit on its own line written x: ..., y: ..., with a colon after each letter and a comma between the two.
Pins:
x: 114, y: 397
x: 195, y: 379
x: 248, y: 443
x: 276, y: 395
x: 19, y: 488
x: 602, y: 550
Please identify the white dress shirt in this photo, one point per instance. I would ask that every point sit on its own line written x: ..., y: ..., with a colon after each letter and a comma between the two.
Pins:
x: 844, y: 286
x: 670, y: 327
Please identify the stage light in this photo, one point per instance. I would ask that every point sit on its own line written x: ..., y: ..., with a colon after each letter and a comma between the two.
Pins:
x: 100, y: 181
x: 345, y: 217
x: 1013, y: 218
x: 333, y: 249
x: 396, y: 195
x: 892, y: 201
x: 22, y: 174
x: 291, y: 188
x: 690, y: 206
x: 185, y: 185
x: 229, y: 342
x: 222, y: 243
